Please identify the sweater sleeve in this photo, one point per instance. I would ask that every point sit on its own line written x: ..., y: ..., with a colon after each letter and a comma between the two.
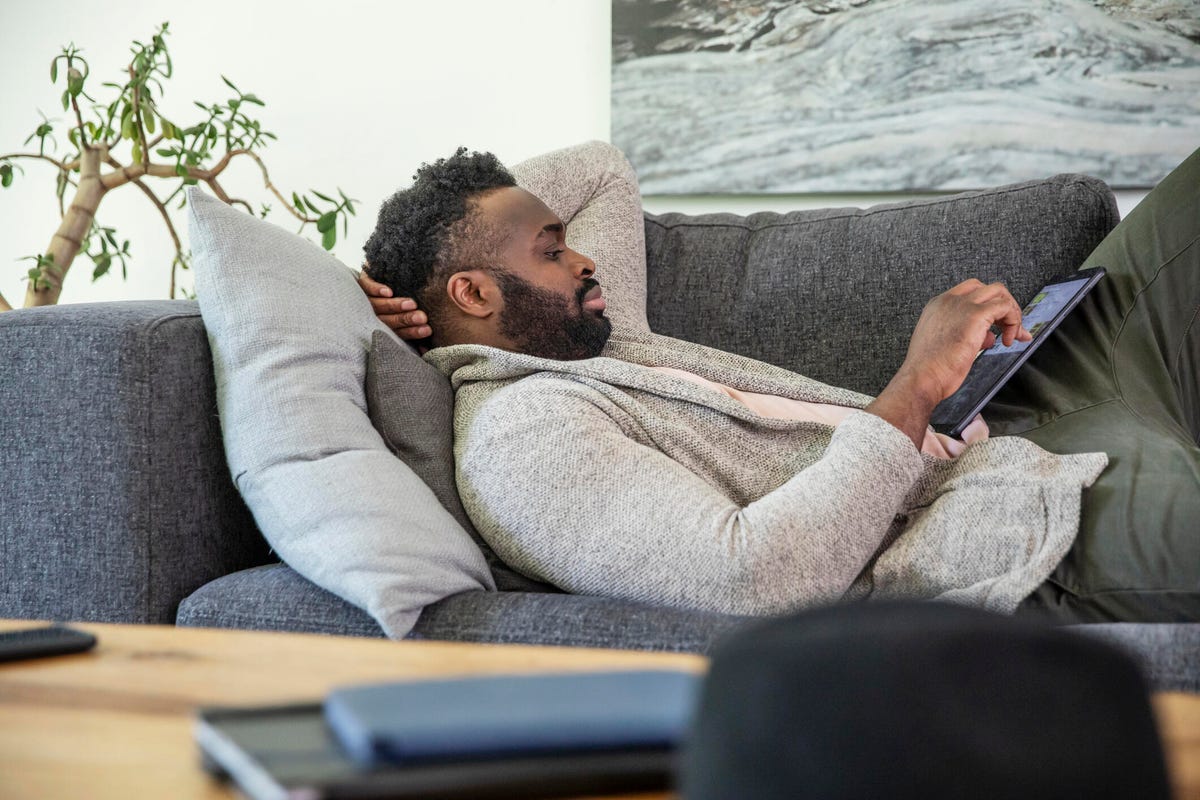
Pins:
x: 593, y: 189
x: 564, y: 495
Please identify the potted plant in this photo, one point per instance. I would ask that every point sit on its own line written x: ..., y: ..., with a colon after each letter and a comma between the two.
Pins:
x: 124, y: 140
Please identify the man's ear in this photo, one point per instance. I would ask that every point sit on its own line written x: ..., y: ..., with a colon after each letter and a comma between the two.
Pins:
x: 474, y: 292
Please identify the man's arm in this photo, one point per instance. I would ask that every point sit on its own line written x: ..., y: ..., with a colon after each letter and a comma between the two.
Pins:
x: 593, y: 189
x: 952, y: 329
x: 565, y: 495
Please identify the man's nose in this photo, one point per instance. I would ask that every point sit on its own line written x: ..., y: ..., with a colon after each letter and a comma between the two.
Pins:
x: 584, y: 267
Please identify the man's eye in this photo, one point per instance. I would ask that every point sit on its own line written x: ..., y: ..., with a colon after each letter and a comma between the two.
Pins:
x: 553, y: 255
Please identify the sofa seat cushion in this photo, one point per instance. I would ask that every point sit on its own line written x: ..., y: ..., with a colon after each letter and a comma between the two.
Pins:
x: 276, y: 597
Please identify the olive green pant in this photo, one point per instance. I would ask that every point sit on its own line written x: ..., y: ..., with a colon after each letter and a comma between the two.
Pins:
x: 1122, y: 376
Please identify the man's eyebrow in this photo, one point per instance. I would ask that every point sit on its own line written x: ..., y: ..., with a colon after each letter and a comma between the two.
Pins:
x: 554, y: 228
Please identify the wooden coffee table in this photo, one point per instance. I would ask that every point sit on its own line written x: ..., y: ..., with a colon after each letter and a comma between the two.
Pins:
x: 116, y: 721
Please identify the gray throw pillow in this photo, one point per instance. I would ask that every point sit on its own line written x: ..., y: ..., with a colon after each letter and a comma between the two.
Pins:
x: 290, y: 331
x: 412, y: 406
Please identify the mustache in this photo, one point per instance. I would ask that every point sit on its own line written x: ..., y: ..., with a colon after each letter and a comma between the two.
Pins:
x: 588, y: 285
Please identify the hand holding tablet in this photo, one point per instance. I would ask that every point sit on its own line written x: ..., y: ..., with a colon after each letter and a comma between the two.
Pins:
x: 995, y: 366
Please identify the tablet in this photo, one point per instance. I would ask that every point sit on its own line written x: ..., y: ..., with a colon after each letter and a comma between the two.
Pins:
x: 289, y: 751
x: 995, y: 366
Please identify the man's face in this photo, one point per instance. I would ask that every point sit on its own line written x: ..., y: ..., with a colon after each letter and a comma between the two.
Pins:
x: 553, y: 307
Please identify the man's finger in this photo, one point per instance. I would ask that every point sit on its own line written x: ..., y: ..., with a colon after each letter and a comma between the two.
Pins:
x: 966, y: 287
x: 1006, y: 314
x: 372, y: 287
x: 392, y: 305
x: 417, y: 332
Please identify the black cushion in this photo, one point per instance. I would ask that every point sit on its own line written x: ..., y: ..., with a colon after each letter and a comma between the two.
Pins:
x: 921, y: 701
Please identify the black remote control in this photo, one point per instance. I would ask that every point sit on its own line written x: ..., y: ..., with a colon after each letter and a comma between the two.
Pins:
x: 51, y: 640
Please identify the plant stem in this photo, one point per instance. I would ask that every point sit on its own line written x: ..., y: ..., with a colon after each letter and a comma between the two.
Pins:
x: 72, y: 231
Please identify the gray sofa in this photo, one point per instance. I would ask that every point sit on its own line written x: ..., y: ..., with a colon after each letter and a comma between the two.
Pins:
x: 116, y: 503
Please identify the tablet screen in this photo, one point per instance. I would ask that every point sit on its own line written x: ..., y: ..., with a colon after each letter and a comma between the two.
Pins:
x: 997, y: 364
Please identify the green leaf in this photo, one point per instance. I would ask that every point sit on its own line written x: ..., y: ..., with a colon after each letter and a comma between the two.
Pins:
x: 166, y: 152
x: 181, y: 170
x: 229, y: 83
x: 297, y: 203
x: 137, y: 151
x: 326, y: 222
x: 169, y: 130
x: 54, y: 70
x: 311, y: 206
x: 127, y: 130
x: 66, y: 100
x: 148, y: 119
x: 6, y: 175
x: 74, y: 82
x: 103, y: 263
x: 329, y: 238
x: 324, y: 197
x: 249, y: 98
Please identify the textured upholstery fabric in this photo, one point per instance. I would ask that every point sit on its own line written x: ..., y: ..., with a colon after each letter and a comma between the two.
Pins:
x: 412, y: 407
x: 290, y: 331
x: 115, y: 501
x: 834, y: 294
x: 1169, y: 653
x: 275, y: 597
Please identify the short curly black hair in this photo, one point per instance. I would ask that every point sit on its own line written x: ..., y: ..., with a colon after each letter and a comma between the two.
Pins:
x: 428, y: 232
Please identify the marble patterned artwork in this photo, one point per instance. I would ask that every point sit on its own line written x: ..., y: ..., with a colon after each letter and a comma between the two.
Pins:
x: 775, y: 96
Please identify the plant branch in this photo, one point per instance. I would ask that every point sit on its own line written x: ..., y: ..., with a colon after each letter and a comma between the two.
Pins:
x: 65, y: 166
x: 137, y: 116
x: 225, y: 198
x: 162, y: 210
x: 75, y: 101
x: 166, y: 217
x: 271, y: 186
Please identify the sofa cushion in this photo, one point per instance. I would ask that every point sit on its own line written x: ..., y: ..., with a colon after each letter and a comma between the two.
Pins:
x: 277, y: 598
x: 412, y: 406
x: 290, y: 330
x: 834, y: 293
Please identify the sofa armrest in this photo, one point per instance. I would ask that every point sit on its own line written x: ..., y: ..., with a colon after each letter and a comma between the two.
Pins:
x: 834, y: 293
x: 115, y: 498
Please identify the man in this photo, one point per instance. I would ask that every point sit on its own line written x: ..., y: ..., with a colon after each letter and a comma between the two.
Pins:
x: 668, y: 472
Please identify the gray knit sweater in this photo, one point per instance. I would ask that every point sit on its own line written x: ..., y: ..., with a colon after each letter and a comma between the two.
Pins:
x: 605, y: 477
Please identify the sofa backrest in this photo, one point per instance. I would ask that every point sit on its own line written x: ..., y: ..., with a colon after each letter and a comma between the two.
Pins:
x: 834, y: 294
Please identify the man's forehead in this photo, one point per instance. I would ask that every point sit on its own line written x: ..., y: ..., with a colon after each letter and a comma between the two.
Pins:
x: 520, y: 210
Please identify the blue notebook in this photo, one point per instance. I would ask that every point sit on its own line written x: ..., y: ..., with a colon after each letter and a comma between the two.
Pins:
x: 508, y: 716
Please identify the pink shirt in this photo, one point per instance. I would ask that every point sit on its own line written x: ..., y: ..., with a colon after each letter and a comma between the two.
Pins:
x: 775, y: 407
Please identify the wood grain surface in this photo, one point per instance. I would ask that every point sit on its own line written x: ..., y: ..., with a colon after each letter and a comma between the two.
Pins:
x: 116, y: 721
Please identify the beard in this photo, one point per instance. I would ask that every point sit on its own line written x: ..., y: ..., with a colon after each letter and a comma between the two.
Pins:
x: 546, y: 324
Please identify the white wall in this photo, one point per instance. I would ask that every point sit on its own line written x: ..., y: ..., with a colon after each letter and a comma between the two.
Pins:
x: 359, y: 93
